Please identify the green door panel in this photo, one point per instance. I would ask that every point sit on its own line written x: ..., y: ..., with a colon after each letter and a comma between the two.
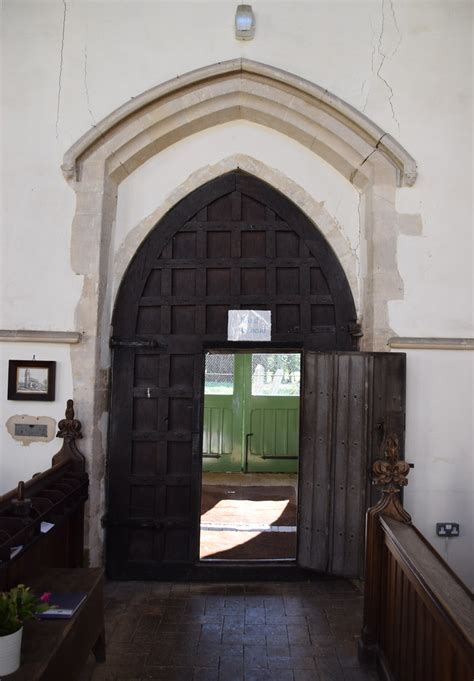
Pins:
x: 218, y: 423
x: 222, y: 426
x: 221, y: 435
x: 245, y: 432
x: 274, y: 424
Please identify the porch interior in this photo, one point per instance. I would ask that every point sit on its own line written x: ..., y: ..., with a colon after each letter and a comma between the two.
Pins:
x: 248, y: 516
x: 273, y: 631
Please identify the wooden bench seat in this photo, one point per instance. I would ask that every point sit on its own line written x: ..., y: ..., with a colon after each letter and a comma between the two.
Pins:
x: 56, y: 650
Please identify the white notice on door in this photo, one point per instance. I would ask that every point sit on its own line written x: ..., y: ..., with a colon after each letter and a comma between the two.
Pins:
x: 249, y: 325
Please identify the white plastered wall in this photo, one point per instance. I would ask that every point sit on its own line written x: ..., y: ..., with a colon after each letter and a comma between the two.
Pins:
x: 17, y: 461
x: 405, y: 64
x: 440, y: 441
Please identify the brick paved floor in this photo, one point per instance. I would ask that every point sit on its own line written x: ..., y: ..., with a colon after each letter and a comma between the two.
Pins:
x: 230, y: 510
x: 297, y: 631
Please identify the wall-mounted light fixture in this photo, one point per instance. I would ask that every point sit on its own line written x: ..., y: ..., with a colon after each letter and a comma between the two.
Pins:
x: 244, y: 22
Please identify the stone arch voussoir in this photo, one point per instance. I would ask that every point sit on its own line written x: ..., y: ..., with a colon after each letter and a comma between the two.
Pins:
x: 337, y: 132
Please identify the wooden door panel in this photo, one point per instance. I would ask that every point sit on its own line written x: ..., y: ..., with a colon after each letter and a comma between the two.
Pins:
x: 233, y: 243
x: 315, y: 461
x: 345, y: 396
x: 349, y: 477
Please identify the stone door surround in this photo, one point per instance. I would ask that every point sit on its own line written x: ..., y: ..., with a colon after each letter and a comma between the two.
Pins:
x: 368, y: 158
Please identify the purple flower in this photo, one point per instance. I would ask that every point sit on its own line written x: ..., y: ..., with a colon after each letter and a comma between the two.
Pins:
x: 45, y: 597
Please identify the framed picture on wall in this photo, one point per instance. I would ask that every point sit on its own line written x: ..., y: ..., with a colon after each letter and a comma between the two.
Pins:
x: 31, y: 380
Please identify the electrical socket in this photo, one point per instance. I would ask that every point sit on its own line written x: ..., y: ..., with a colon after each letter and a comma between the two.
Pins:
x: 447, y: 529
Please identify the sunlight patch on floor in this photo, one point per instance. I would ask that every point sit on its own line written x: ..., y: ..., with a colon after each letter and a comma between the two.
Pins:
x: 249, y: 524
x: 214, y: 542
x: 244, y: 511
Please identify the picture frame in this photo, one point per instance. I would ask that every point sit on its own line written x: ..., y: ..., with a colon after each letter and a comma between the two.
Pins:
x: 31, y: 380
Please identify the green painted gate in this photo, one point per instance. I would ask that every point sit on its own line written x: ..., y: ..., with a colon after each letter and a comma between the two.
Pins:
x: 251, y: 412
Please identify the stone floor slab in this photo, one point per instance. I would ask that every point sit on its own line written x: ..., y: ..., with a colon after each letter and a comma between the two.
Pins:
x: 272, y: 631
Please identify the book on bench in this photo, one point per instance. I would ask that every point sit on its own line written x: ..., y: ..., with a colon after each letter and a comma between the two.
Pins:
x: 63, y: 605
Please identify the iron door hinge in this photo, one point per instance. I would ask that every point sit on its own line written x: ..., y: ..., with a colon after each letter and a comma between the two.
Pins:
x: 355, y: 329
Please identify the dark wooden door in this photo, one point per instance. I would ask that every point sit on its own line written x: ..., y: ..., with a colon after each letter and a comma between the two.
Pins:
x: 235, y: 243
x: 351, y: 402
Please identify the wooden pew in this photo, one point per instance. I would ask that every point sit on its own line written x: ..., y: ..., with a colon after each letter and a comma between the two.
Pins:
x: 418, y: 615
x: 53, y: 650
x: 57, y: 650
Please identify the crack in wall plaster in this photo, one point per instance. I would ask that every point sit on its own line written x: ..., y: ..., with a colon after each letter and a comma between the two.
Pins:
x: 86, y: 88
x: 377, y: 47
x: 356, y: 170
x: 61, y: 56
x: 372, y: 60
x: 395, y: 23
x: 356, y: 249
x: 94, y: 123
x: 388, y: 56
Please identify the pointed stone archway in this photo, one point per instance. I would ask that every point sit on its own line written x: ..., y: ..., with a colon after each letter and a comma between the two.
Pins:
x: 230, y: 90
x: 371, y: 160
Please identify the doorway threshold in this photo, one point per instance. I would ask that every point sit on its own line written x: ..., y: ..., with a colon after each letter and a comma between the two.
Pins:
x: 252, y: 561
x: 284, y: 570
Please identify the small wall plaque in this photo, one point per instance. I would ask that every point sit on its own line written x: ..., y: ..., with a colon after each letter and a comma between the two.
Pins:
x: 31, y: 429
x: 27, y: 429
x: 249, y: 325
